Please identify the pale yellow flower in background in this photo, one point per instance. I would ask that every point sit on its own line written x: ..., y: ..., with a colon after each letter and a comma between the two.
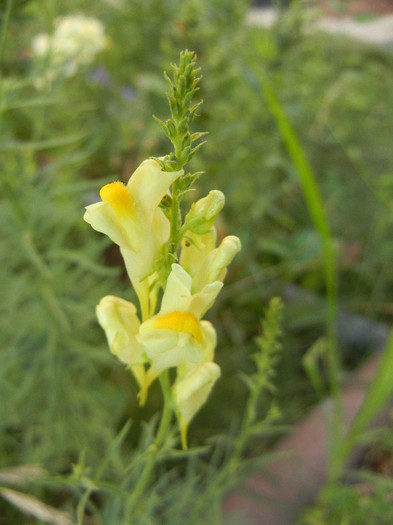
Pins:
x: 191, y: 392
x: 78, y: 37
x: 75, y: 41
x: 176, y: 334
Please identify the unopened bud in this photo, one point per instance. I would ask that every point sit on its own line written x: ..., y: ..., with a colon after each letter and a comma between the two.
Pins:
x: 203, y: 214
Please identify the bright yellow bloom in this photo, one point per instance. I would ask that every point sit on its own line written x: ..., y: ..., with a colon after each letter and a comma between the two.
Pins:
x: 120, y: 199
x: 130, y: 216
x: 176, y: 333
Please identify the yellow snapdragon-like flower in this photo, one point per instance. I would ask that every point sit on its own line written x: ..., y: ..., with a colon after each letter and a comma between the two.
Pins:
x: 176, y: 333
x: 126, y: 212
x: 130, y: 216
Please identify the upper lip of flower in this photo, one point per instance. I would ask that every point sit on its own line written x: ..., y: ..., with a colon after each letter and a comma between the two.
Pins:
x: 126, y: 212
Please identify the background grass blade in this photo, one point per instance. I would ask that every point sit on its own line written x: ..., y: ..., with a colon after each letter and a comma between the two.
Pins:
x: 377, y: 395
x: 317, y: 213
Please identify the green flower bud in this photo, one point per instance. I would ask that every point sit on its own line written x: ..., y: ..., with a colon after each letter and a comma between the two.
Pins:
x: 203, y: 214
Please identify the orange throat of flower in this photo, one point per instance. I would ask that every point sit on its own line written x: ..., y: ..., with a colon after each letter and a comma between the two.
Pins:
x: 180, y: 322
x: 120, y: 199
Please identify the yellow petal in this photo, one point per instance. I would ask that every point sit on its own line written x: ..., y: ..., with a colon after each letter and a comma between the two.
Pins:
x: 214, y: 266
x: 120, y: 322
x: 180, y: 322
x: 120, y: 199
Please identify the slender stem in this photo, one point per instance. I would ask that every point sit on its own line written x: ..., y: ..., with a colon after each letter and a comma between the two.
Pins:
x: 80, y: 511
x: 174, y: 232
x: 167, y: 410
x: 154, y: 450
x: 3, y: 36
x: 6, y: 21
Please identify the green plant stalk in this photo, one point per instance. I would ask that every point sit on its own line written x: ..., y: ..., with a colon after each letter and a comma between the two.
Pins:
x: 4, y: 29
x: 174, y: 225
x: 3, y: 37
x: 242, y: 438
x: 145, y: 476
x: 318, y: 216
x: 80, y: 511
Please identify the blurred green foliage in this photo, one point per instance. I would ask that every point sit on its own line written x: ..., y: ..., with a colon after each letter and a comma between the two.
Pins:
x: 61, y: 390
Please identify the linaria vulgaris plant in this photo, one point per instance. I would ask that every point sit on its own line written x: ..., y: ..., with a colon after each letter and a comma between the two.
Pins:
x: 174, y: 265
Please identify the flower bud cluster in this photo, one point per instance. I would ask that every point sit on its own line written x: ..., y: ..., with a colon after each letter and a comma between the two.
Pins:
x: 171, y: 332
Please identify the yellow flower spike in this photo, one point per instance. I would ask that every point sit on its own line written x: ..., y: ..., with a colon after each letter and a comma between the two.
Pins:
x: 191, y: 391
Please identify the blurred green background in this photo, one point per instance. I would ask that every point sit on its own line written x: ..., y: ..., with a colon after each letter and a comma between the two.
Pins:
x: 61, y: 391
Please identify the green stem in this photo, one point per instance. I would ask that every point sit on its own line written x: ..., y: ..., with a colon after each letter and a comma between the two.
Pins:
x: 80, y: 511
x: 6, y: 21
x: 174, y: 232
x: 3, y: 36
x: 154, y: 451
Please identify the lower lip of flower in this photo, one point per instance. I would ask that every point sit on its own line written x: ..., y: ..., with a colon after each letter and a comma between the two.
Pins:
x: 180, y: 322
x: 119, y: 198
